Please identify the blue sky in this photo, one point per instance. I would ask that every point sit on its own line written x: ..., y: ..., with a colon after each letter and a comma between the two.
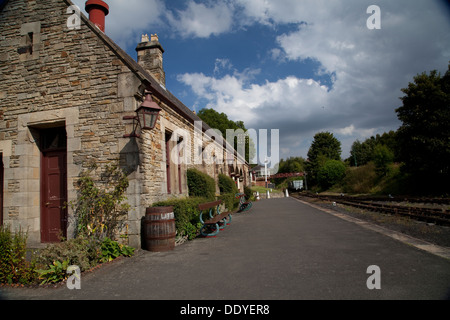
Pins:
x: 300, y: 66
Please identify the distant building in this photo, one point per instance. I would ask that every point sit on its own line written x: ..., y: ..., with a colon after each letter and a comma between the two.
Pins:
x: 259, y: 172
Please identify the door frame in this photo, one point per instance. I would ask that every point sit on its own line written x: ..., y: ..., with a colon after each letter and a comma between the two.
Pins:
x: 2, y: 168
x: 43, y: 194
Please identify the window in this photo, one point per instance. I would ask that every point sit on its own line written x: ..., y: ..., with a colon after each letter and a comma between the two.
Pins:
x: 53, y: 138
x: 180, y: 189
x: 30, y: 41
x: 174, y: 167
x: 168, y: 135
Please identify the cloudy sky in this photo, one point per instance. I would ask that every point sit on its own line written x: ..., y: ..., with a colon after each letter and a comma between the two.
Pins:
x: 300, y: 66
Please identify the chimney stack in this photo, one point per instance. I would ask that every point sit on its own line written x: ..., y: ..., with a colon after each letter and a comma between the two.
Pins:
x: 150, y: 57
x: 97, y: 10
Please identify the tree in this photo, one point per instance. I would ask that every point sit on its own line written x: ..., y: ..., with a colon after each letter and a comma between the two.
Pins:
x: 424, y: 136
x: 220, y: 121
x: 382, y: 157
x: 326, y: 144
x: 330, y: 173
x: 324, y: 147
x: 363, y: 152
x: 291, y: 164
x: 217, y: 120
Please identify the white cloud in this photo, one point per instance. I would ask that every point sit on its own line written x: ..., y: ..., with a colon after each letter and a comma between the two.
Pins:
x: 222, y: 64
x: 352, y: 131
x: 128, y: 19
x: 202, y: 20
x: 256, y: 104
x: 347, y: 131
x: 367, y: 67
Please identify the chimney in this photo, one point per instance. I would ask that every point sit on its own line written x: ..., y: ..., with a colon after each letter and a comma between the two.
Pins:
x: 97, y: 10
x: 150, y: 57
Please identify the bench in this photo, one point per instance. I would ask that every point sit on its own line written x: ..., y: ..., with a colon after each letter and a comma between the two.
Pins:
x: 216, y: 221
x: 243, y: 204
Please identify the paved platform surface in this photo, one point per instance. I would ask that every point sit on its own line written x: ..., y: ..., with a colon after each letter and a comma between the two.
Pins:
x: 280, y: 249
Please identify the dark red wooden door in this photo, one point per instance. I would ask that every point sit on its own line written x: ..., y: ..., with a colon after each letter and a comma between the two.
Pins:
x: 53, y: 196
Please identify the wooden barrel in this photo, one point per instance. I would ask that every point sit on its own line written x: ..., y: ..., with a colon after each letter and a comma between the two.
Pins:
x: 159, y: 229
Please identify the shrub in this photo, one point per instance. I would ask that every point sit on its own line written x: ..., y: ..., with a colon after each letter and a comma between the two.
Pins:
x: 228, y: 190
x: 112, y: 250
x: 226, y: 184
x: 200, y: 184
x: 54, y: 260
x: 248, y: 193
x: 14, y: 268
x: 101, y: 206
x: 360, y: 179
x: 186, y: 213
x: 82, y: 252
x: 382, y: 157
x: 56, y: 272
x: 332, y: 172
x: 230, y: 201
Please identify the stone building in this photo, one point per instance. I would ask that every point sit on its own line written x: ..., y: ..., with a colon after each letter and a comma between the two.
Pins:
x: 68, y: 97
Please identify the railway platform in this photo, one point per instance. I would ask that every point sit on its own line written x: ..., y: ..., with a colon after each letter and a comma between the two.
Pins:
x: 282, y: 249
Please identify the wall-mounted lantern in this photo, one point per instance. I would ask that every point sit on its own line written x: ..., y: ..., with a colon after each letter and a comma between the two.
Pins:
x: 147, y: 115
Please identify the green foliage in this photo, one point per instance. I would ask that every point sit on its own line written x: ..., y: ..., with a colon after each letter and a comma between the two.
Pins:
x: 14, y: 268
x: 414, y: 156
x: 56, y: 272
x: 200, y: 184
x: 363, y: 152
x: 326, y: 144
x: 227, y: 185
x: 112, y: 250
x: 423, y: 137
x: 330, y: 173
x: 382, y: 157
x: 82, y: 252
x: 126, y: 251
x: 324, y: 147
x: 285, y: 182
x: 220, y: 122
x: 230, y: 201
x: 291, y: 164
x: 186, y: 213
x: 101, y: 207
x: 365, y: 179
x: 360, y: 179
x: 228, y: 190
x: 248, y: 193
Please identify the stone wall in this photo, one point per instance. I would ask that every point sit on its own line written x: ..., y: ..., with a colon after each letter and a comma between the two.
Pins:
x: 75, y: 79
x: 69, y: 80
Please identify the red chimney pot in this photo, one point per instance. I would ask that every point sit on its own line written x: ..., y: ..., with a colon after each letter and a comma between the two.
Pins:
x: 97, y: 10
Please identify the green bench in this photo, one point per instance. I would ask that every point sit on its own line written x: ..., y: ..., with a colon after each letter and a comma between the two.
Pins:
x: 215, y: 221
x: 243, y: 204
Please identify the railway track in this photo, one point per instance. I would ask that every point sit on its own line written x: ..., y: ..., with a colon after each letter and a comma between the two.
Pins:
x: 440, y: 216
